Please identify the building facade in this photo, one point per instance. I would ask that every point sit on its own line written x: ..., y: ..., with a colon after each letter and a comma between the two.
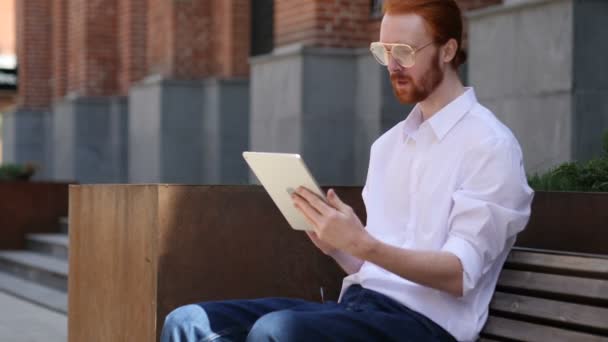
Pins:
x: 174, y: 90
x: 8, y: 60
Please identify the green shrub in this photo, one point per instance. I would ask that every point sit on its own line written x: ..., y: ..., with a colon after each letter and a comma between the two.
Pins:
x: 573, y: 176
x: 10, y: 172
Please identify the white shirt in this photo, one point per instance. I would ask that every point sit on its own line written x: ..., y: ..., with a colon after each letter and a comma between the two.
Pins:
x: 454, y: 183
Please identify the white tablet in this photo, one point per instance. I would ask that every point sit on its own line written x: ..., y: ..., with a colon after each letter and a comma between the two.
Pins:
x: 281, y: 174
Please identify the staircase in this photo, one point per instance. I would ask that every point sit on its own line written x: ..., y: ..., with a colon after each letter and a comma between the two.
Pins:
x: 39, y: 274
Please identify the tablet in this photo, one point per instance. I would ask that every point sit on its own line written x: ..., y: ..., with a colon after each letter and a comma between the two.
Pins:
x: 281, y: 174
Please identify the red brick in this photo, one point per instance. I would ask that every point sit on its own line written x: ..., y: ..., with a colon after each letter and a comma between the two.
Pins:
x: 198, y: 39
x: 92, y: 49
x: 34, y: 53
x: 336, y: 23
x: 59, y: 17
x: 231, y: 32
x: 132, y: 26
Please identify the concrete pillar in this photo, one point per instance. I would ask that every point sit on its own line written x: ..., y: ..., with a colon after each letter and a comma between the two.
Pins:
x: 26, y: 138
x: 539, y: 66
x: 89, y: 139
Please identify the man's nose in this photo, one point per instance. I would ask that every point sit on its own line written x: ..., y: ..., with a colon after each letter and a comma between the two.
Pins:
x: 393, y: 65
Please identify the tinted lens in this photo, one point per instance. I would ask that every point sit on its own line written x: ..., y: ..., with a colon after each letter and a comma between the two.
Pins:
x: 379, y: 53
x: 404, y: 55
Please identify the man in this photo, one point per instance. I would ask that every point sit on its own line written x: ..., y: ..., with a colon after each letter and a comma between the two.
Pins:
x: 446, y: 194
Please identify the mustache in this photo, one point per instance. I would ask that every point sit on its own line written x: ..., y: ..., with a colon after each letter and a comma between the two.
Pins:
x: 396, y: 77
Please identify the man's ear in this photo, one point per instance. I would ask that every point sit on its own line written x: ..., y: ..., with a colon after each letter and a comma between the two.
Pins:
x: 449, y: 50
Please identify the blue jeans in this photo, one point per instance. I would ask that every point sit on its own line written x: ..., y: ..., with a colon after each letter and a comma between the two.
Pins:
x: 362, y: 315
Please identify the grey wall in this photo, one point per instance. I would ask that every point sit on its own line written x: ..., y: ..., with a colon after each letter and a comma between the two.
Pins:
x: 89, y: 139
x: 521, y: 67
x: 540, y: 66
x: 590, y: 79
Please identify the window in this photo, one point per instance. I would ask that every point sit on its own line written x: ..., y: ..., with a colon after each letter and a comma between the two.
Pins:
x: 376, y: 8
x: 262, y: 26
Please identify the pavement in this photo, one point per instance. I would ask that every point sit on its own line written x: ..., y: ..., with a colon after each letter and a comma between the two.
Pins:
x: 22, y: 321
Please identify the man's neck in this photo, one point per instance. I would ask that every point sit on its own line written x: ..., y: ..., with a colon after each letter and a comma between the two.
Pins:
x: 446, y: 92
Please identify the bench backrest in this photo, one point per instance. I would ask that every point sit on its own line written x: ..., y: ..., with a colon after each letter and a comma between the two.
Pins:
x: 550, y: 297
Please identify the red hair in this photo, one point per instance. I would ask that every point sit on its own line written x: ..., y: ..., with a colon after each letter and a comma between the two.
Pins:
x: 443, y: 20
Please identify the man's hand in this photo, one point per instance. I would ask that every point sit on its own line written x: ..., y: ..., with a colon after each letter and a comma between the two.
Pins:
x: 336, y: 226
x: 339, y: 233
x: 325, y: 248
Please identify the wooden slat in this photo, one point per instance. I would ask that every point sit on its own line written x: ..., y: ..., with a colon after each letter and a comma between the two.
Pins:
x: 590, y: 290
x: 561, y: 252
x: 507, y: 328
x: 561, y: 264
x: 549, y: 310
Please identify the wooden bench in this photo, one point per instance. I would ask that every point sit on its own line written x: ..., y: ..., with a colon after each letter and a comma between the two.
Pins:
x: 549, y: 296
x: 139, y: 251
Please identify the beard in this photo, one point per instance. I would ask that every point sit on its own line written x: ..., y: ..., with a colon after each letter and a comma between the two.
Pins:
x: 410, y: 91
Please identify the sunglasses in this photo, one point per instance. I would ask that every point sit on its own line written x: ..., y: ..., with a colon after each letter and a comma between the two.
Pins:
x: 404, y: 55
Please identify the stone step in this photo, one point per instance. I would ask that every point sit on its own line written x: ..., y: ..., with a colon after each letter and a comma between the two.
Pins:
x: 63, y: 225
x: 55, y: 245
x: 43, y: 270
x: 41, y: 295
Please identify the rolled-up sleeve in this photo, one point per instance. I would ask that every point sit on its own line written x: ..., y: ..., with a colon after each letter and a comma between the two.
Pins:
x: 491, y: 205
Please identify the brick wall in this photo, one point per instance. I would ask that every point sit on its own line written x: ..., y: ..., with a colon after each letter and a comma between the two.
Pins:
x: 59, y: 48
x: 197, y: 39
x: 192, y: 42
x: 132, y: 19
x: 160, y: 37
x: 106, y: 50
x: 179, y: 40
x: 34, y: 53
x: 231, y: 37
x: 101, y: 47
x: 100, y: 55
x: 335, y: 23
x: 76, y: 39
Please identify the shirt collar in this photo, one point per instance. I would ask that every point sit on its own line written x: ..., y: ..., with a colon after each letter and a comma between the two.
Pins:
x: 445, y: 119
x: 412, y: 122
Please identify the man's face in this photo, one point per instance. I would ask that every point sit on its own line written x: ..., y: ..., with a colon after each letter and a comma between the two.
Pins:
x: 414, y: 84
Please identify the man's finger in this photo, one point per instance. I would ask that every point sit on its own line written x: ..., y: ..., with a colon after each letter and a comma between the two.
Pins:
x: 313, y: 236
x: 309, y: 220
x: 314, y: 200
x: 336, y: 202
x: 310, y: 213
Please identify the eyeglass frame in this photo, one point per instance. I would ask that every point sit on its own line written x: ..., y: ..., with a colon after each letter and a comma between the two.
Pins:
x: 384, y: 45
